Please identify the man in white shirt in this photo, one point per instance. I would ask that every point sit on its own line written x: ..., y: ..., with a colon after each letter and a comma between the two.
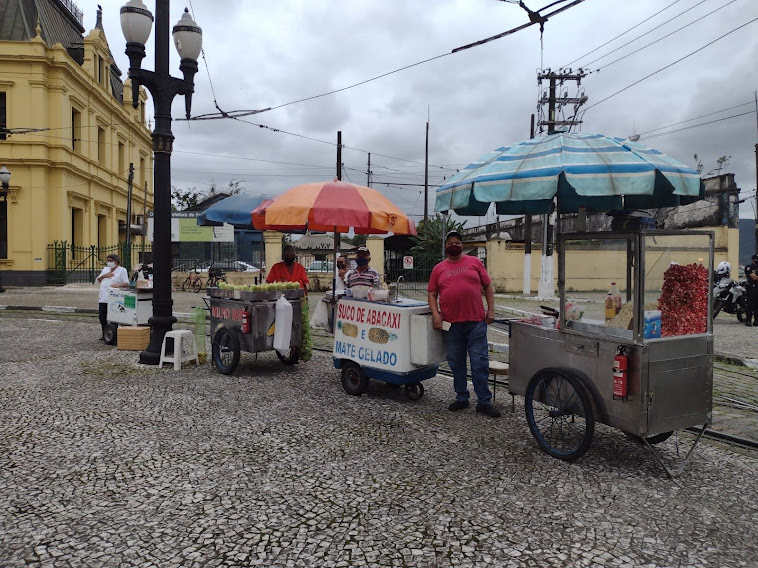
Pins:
x: 112, y: 276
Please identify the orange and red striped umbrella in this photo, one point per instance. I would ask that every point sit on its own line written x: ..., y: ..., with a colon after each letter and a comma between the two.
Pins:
x: 332, y: 206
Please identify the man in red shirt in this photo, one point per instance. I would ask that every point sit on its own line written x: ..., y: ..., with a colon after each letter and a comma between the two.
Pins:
x: 289, y: 270
x: 457, y: 283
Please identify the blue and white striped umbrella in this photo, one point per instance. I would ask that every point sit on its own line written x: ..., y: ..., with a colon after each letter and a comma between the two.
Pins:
x: 593, y: 171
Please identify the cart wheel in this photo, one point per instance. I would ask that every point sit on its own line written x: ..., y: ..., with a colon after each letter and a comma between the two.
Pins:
x: 559, y: 414
x: 353, y: 380
x: 652, y: 440
x: 414, y: 391
x: 293, y: 357
x: 226, y: 351
x: 109, y: 334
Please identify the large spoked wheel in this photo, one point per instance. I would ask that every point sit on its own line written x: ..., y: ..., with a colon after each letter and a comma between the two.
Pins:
x: 291, y: 358
x: 353, y: 380
x: 185, y: 284
x: 197, y: 285
x: 559, y: 414
x: 225, y: 351
x: 414, y: 391
x: 652, y: 440
x: 110, y: 334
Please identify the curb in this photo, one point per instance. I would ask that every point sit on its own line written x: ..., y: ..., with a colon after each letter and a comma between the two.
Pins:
x: 73, y: 310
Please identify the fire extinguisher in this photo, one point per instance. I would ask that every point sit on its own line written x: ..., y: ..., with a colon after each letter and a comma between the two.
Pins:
x: 620, y: 368
x: 245, y: 321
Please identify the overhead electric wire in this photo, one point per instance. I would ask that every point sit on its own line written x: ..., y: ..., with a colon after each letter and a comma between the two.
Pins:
x: 621, y: 34
x: 656, y: 41
x: 670, y: 64
x: 698, y: 125
x: 695, y: 118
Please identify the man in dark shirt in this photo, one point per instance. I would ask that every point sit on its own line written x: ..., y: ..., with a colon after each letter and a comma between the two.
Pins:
x: 751, y: 273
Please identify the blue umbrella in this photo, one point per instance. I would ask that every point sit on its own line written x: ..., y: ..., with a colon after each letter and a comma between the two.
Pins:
x: 593, y: 171
x: 235, y: 210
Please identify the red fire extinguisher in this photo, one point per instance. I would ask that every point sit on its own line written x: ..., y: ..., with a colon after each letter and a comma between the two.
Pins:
x: 245, y: 321
x: 620, y: 367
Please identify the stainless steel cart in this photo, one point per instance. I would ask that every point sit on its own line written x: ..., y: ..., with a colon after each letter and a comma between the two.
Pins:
x: 569, y: 373
x: 244, y: 321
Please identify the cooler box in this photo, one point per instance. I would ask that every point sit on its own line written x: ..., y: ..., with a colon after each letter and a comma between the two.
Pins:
x: 133, y: 338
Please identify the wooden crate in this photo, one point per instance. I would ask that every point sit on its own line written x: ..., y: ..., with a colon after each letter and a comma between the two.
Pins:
x: 133, y: 338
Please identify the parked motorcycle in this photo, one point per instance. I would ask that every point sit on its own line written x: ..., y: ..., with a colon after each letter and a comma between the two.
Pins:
x: 731, y: 297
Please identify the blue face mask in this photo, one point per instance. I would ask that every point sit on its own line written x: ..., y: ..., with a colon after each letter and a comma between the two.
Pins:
x: 361, y: 261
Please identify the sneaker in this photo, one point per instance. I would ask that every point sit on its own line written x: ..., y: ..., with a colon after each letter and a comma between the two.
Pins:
x: 748, y: 324
x: 488, y: 410
x: 458, y: 405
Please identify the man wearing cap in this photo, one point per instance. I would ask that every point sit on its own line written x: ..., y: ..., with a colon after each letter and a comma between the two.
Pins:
x: 455, y: 296
x: 751, y: 274
x: 362, y: 274
x: 112, y: 276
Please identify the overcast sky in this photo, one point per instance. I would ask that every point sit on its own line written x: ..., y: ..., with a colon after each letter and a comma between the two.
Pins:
x: 265, y: 53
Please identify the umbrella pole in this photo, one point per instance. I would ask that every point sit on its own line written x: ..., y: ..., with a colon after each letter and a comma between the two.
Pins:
x: 334, y: 276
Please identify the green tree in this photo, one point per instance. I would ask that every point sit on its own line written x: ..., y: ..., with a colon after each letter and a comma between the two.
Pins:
x: 357, y: 240
x: 428, y: 248
x: 184, y: 199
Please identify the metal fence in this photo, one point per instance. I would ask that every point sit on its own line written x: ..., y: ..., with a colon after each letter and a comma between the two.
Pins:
x: 69, y: 264
x: 414, y: 279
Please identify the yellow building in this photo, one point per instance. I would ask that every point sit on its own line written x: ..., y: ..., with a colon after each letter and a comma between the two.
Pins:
x: 69, y: 135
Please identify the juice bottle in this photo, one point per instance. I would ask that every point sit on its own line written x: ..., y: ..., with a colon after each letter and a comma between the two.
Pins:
x: 616, y: 294
x: 610, y: 307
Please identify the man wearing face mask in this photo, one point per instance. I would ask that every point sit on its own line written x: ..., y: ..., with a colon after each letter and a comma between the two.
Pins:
x: 363, y: 274
x: 455, y: 296
x: 289, y: 270
x: 112, y: 276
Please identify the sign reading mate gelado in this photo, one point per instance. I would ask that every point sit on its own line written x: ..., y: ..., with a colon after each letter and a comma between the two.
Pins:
x: 368, y: 334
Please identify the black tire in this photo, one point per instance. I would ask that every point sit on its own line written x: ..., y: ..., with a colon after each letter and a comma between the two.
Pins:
x: 197, y: 285
x: 293, y: 357
x: 185, y: 284
x: 717, y: 306
x: 110, y: 334
x: 414, y: 391
x: 741, y: 309
x: 652, y: 440
x: 560, y: 414
x: 225, y: 351
x: 353, y: 380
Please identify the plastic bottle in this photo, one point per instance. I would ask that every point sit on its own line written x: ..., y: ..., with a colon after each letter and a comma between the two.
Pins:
x: 610, y: 307
x: 134, y: 318
x: 616, y: 294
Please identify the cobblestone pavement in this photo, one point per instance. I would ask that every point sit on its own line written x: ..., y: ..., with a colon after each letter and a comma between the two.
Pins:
x: 104, y: 462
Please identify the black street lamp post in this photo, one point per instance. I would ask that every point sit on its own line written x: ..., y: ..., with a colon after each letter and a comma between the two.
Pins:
x: 136, y: 23
x: 5, y: 181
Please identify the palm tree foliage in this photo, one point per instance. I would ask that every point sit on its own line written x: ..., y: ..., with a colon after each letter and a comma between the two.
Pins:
x: 428, y: 248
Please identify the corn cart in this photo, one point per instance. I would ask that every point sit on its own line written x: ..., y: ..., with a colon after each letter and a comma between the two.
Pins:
x: 246, y: 321
x: 645, y: 368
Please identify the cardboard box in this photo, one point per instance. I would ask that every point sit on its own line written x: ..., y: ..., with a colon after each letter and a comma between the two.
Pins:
x: 132, y: 338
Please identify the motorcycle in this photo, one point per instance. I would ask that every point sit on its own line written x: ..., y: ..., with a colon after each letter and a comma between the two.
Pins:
x: 731, y: 297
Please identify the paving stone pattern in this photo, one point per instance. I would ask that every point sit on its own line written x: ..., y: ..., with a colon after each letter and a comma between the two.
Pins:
x: 104, y: 462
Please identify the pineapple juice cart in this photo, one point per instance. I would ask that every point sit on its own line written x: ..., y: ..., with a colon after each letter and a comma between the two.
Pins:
x: 643, y: 376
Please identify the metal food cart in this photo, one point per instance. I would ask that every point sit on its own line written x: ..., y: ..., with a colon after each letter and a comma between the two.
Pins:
x: 245, y: 321
x: 392, y: 341
x: 127, y: 306
x: 629, y: 375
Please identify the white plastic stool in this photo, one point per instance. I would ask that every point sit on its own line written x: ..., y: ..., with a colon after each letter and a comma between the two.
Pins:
x: 180, y: 354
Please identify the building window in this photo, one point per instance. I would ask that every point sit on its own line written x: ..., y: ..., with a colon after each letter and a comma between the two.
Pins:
x: 121, y: 158
x: 101, y: 146
x: 102, y: 231
x: 142, y: 172
x: 76, y: 130
x: 77, y: 227
x: 3, y: 124
x: 142, y: 113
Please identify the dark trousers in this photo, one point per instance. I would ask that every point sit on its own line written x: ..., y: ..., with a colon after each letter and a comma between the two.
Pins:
x: 752, y: 303
x: 102, y: 313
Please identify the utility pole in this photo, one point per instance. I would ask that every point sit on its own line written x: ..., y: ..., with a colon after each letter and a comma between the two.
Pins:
x: 128, y: 247
x: 426, y: 172
x: 755, y: 208
x: 555, y: 102
x: 339, y: 155
x: 528, y: 239
x: 368, y: 171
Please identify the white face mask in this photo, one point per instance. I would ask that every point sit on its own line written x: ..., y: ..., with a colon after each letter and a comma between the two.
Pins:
x: 111, y: 264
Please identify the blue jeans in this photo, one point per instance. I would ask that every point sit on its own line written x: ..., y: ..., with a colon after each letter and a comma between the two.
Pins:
x: 469, y: 337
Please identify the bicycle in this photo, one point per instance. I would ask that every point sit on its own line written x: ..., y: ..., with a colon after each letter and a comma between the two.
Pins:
x: 193, y: 281
x: 214, y: 277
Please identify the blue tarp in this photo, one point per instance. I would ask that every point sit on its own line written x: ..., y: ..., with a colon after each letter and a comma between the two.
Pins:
x: 235, y: 210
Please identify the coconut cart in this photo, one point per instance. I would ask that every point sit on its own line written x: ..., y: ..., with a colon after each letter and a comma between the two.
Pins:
x: 245, y: 320
x: 646, y: 369
x: 583, y: 371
